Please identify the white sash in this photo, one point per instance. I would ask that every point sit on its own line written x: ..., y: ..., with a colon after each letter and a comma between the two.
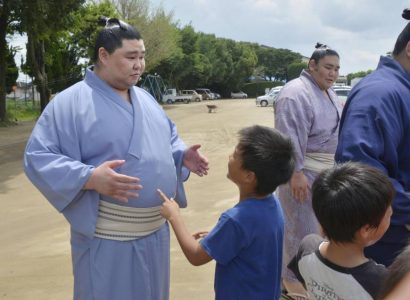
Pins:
x: 318, y: 162
x: 122, y: 223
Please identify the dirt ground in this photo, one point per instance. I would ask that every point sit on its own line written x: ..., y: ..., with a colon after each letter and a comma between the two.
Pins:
x: 35, y: 261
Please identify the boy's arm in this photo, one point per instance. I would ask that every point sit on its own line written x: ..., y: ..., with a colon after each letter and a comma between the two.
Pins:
x: 193, y: 251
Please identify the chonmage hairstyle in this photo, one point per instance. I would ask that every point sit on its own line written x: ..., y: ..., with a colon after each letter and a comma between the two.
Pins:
x: 111, y: 36
x: 322, y: 51
x: 404, y: 36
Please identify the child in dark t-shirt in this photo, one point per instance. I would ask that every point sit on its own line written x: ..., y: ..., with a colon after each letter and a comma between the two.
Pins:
x: 247, y: 241
x: 352, y: 203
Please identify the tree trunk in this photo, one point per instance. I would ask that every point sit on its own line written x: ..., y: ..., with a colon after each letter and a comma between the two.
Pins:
x: 3, y: 66
x: 37, y: 56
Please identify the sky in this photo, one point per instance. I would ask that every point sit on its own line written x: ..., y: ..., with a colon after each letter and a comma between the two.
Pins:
x: 359, y: 30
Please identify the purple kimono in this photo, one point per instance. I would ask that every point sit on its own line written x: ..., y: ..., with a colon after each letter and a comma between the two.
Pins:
x: 311, y: 120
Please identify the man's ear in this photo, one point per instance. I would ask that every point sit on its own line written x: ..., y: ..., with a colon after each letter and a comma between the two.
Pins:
x: 102, y: 55
x: 312, y: 66
x: 407, y: 50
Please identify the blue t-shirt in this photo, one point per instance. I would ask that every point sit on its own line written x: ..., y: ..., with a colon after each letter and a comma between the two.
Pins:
x: 247, y: 246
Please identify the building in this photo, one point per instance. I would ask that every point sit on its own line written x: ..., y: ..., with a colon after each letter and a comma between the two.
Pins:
x: 24, y: 91
x: 341, y: 80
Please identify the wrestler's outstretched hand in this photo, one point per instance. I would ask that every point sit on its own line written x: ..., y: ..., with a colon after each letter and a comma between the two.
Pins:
x: 195, y: 161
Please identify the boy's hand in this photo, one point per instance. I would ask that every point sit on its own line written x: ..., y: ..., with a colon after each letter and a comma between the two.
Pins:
x: 170, y: 208
x: 200, y: 234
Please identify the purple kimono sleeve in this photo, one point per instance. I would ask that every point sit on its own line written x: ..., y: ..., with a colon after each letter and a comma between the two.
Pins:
x: 294, y: 119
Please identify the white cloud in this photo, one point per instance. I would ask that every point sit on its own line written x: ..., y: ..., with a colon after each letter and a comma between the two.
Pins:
x: 360, y: 30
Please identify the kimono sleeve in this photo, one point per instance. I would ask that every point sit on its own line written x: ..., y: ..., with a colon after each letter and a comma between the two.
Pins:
x: 178, y: 151
x: 225, y: 241
x: 58, y: 174
x: 294, y: 120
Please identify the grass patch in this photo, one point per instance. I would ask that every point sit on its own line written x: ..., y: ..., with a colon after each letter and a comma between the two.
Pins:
x: 21, y: 110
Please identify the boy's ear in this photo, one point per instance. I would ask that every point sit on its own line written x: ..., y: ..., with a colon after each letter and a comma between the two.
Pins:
x: 365, y: 232
x: 250, y: 176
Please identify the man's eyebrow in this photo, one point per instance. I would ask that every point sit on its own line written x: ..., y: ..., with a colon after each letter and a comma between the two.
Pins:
x: 135, y: 52
x: 331, y: 65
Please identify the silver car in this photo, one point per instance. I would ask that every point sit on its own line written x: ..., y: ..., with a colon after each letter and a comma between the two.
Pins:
x: 269, y: 98
x: 342, y: 93
x: 239, y: 94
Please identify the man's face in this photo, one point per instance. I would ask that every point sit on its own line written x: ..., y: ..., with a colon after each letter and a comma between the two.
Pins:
x: 125, y: 65
x: 326, y: 71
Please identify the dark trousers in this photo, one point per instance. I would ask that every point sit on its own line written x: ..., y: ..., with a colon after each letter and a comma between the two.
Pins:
x: 389, y: 246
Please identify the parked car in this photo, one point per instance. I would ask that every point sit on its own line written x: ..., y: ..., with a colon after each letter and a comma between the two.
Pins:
x: 216, y: 95
x: 239, y: 94
x: 194, y: 95
x: 206, y: 93
x: 342, y: 92
x: 269, y: 98
x: 171, y: 96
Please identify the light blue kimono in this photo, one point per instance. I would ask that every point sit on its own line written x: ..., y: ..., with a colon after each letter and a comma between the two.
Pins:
x: 82, y: 127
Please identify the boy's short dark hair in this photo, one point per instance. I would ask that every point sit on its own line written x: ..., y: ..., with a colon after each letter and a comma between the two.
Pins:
x: 111, y: 36
x: 349, y: 196
x: 267, y: 153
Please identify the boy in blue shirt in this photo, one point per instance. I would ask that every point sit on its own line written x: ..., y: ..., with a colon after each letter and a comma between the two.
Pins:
x: 248, y: 238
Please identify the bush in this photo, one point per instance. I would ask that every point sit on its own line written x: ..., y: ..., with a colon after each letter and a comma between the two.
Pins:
x: 255, y: 89
x: 295, y: 69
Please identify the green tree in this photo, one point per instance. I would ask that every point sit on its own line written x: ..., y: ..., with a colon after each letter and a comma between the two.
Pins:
x: 12, y: 71
x: 9, y: 12
x: 294, y: 69
x: 218, y: 58
x: 62, y: 63
x: 41, y: 19
x: 157, y: 29
x: 359, y: 74
x: 274, y: 62
x: 244, y: 61
x: 177, y: 69
x: 85, y: 26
